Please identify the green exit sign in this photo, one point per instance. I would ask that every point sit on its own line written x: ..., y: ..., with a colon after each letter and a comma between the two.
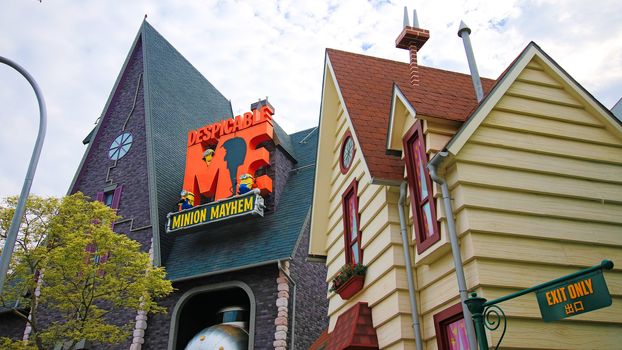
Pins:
x: 573, y: 296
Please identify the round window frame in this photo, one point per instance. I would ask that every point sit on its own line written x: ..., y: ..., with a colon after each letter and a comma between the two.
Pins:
x: 346, y: 136
x: 120, y: 136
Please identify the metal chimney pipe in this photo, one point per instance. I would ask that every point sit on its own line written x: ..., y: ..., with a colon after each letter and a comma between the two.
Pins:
x: 464, y: 32
x: 415, y: 19
x: 406, y: 21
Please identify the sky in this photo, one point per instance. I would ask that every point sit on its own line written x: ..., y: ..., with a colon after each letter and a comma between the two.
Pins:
x: 253, y: 49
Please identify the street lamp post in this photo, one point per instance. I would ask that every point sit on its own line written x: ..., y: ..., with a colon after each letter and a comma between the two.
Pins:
x: 34, y: 159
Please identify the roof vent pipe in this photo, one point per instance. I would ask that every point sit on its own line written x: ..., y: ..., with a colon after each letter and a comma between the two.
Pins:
x: 464, y: 31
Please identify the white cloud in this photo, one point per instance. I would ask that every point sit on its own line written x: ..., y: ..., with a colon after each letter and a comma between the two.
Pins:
x: 252, y: 49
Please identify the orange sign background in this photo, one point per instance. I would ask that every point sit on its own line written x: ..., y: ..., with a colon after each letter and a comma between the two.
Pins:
x: 214, y: 181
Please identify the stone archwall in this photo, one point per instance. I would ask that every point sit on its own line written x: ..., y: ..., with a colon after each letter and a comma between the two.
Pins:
x: 259, y: 279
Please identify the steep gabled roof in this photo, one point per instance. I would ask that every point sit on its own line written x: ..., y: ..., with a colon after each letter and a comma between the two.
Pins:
x: 257, y: 241
x: 178, y: 98
x: 507, y: 78
x: 366, y: 84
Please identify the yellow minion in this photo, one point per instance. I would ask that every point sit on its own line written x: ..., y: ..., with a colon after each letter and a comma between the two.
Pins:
x: 208, y: 155
x: 186, y: 201
x: 246, y: 183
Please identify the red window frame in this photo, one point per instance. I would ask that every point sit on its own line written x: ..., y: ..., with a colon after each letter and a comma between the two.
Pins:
x: 350, y: 207
x: 116, y: 197
x: 444, y: 319
x: 426, y: 231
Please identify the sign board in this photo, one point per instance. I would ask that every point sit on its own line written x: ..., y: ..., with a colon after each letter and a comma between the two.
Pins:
x: 573, y: 296
x: 250, y: 203
x: 218, y: 154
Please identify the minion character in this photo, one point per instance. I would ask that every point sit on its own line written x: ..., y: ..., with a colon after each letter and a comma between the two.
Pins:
x: 186, y: 201
x: 246, y: 183
x: 208, y: 155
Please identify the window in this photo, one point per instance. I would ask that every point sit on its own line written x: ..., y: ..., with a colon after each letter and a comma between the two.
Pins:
x: 346, y: 156
x: 450, y: 329
x: 420, y: 185
x: 111, y: 198
x: 120, y: 146
x: 351, y: 228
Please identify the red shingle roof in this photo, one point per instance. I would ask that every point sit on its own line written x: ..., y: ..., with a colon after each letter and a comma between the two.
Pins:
x: 366, y: 84
x: 354, y: 330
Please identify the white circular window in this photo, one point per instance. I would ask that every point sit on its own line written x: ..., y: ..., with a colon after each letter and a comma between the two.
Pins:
x: 120, y: 146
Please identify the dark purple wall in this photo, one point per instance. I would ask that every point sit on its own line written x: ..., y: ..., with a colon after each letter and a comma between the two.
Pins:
x: 311, y: 303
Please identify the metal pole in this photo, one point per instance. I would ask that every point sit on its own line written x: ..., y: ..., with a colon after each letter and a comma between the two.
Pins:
x: 414, y: 309
x: 476, y: 306
x: 21, y: 203
x: 455, y: 246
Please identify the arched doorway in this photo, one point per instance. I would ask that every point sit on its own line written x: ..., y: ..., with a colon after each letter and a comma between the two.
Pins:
x: 199, y: 308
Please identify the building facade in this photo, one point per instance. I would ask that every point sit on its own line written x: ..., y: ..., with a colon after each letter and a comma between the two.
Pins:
x: 243, y: 273
x: 534, y: 177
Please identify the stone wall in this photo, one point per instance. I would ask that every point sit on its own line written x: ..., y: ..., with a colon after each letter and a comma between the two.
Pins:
x: 311, y: 317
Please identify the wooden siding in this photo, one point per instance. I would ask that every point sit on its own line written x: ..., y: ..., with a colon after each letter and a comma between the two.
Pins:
x: 537, y: 194
x: 385, y: 288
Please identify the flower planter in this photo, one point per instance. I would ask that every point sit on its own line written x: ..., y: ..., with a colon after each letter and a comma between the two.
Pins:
x: 351, y: 287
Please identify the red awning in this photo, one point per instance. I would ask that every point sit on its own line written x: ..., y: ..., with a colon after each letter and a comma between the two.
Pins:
x: 354, y: 330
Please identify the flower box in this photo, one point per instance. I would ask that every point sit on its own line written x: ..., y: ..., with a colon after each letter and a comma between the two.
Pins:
x: 350, y: 287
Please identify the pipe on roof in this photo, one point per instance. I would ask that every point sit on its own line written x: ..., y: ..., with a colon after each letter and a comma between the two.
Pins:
x: 414, y: 310
x: 433, y: 165
x: 464, y: 32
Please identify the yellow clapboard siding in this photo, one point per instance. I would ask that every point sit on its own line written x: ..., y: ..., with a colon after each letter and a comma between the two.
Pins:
x: 537, y: 76
x: 520, y: 105
x: 536, y: 334
x: 538, y: 251
x: 512, y: 274
x: 536, y: 204
x: 535, y: 182
x: 402, y: 345
x: 541, y: 227
x: 441, y: 127
x: 543, y: 93
x: 547, y: 145
x: 381, y: 242
x: 445, y: 289
x: 443, y: 266
x: 535, y: 65
x: 436, y: 142
x: 523, y: 159
x: 393, y: 331
x: 551, y: 127
x: 396, y: 303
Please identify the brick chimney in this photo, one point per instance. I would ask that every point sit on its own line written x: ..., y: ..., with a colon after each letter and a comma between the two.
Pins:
x: 412, y: 39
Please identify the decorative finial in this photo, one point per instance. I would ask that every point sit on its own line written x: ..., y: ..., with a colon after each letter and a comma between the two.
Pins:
x: 415, y: 19
x: 463, y: 27
x: 406, y: 22
x: 145, y: 16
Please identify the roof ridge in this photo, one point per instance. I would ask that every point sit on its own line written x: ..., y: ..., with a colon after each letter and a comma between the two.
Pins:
x: 402, y: 63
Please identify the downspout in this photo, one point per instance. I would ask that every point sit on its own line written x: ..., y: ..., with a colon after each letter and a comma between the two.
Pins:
x: 414, y: 309
x: 455, y: 247
x: 289, y: 278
